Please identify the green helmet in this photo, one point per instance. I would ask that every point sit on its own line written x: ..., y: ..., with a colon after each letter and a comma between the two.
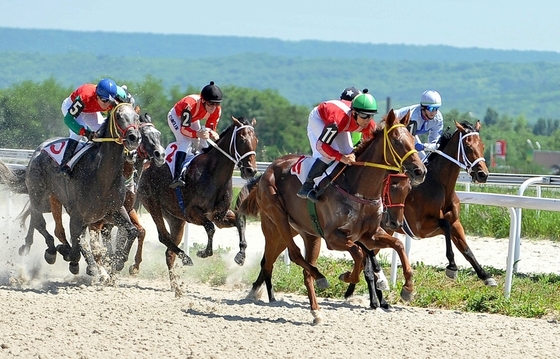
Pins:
x: 364, y: 103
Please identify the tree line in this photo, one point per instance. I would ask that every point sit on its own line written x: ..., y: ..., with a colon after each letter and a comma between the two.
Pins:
x: 30, y: 113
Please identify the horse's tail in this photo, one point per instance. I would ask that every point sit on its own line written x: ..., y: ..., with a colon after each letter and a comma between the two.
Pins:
x: 14, y: 179
x: 246, y: 202
x: 25, y: 212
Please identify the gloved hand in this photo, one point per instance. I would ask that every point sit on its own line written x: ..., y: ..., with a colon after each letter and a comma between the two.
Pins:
x: 86, y: 132
x: 419, y: 147
x: 430, y: 147
x: 203, y: 133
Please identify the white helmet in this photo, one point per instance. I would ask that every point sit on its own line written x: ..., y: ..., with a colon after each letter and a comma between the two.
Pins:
x: 430, y: 98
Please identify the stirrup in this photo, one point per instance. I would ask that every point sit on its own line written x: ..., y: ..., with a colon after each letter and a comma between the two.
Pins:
x: 177, y: 183
x: 312, y: 196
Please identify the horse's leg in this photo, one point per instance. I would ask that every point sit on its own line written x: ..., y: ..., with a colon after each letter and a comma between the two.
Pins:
x: 77, y: 229
x: 210, y: 230
x: 337, y: 241
x: 135, y: 268
x: 177, y: 229
x: 273, y: 246
x: 370, y: 263
x: 241, y: 224
x: 458, y: 237
x: 384, y: 240
x: 121, y: 254
x: 59, y: 232
x: 155, y: 210
x: 37, y: 221
x: 97, y: 249
x: 451, y: 269
x: 312, y: 250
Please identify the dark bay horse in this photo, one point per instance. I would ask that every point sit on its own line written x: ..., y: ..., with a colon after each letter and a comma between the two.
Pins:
x: 94, y: 191
x: 150, y: 151
x: 349, y: 210
x: 433, y: 207
x: 206, y: 198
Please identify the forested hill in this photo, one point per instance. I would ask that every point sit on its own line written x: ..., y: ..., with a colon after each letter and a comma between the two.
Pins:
x: 305, y: 72
x: 198, y: 46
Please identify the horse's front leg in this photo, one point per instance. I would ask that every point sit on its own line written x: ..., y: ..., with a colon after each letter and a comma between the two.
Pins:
x: 451, y: 269
x: 125, y: 243
x: 210, y: 230
x: 240, y: 222
x: 77, y: 229
x: 339, y: 242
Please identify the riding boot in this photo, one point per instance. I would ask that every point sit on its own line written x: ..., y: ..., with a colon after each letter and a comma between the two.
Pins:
x: 68, y: 154
x: 179, y: 159
x: 307, y: 190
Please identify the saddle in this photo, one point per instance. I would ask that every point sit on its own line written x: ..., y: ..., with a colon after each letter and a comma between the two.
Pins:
x: 170, y: 152
x: 301, y: 168
x: 55, y: 149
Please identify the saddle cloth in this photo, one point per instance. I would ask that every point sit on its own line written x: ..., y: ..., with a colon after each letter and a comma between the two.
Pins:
x: 55, y: 149
x: 303, y: 165
x: 170, y: 152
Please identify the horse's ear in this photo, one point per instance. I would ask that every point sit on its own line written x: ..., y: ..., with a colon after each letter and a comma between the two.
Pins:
x: 459, y: 126
x: 253, y: 122
x: 235, y: 120
x: 406, y: 119
x: 477, y: 126
x: 390, y: 118
x: 137, y: 109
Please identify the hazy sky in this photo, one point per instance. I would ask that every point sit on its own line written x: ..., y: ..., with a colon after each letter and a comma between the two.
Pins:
x: 497, y: 24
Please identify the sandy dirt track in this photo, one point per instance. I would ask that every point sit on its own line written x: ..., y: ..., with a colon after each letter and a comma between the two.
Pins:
x: 48, y: 313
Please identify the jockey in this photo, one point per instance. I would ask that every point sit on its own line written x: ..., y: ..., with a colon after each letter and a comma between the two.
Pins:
x: 329, y: 128
x: 184, y: 121
x: 428, y: 118
x: 348, y: 94
x: 82, y: 112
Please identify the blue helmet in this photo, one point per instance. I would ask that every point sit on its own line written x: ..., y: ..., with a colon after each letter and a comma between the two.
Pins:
x: 106, y: 89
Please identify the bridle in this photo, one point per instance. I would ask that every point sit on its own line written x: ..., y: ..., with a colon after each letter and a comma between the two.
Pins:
x: 117, y: 133
x: 234, y: 154
x: 462, y: 160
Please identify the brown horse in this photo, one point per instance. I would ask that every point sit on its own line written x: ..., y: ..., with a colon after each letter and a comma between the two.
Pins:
x: 433, y: 207
x: 150, y: 151
x: 349, y: 210
x: 206, y: 198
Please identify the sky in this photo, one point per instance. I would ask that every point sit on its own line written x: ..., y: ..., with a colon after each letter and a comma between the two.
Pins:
x: 490, y: 24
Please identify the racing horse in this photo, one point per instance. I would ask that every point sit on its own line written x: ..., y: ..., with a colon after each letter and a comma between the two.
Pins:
x: 150, y: 151
x: 433, y: 207
x: 349, y: 209
x: 206, y: 197
x: 94, y: 191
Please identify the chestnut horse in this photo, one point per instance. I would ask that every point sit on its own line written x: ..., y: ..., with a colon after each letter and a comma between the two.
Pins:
x: 94, y: 191
x: 433, y: 207
x: 206, y: 198
x: 150, y: 151
x: 349, y: 209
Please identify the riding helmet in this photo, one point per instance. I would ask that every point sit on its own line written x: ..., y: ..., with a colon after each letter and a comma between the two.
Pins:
x: 211, y: 93
x: 364, y: 103
x: 430, y: 98
x: 106, y: 89
x: 349, y: 93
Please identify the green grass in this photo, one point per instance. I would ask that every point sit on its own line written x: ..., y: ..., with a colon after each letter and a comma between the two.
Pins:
x: 532, y: 295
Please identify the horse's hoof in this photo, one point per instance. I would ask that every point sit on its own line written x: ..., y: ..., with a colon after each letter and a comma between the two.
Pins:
x: 64, y: 250
x: 50, y: 255
x: 406, y: 295
x: 119, y: 265
x: 450, y: 273
x: 240, y: 258
x: 133, y: 271
x: 322, y: 283
x: 204, y: 254
x: 317, y: 318
x: 92, y: 271
x: 74, y: 268
x: 490, y: 282
x: 187, y: 261
x: 382, y: 284
x: 23, y: 250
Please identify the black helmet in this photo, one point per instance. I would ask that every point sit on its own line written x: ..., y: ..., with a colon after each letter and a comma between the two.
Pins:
x: 211, y: 93
x: 349, y: 93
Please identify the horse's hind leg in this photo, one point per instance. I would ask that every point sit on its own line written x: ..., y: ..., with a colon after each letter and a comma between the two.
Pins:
x: 312, y: 250
x: 38, y: 222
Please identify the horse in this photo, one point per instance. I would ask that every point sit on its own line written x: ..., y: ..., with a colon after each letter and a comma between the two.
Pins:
x: 349, y: 209
x: 94, y: 191
x: 150, y: 151
x: 433, y: 207
x: 206, y: 197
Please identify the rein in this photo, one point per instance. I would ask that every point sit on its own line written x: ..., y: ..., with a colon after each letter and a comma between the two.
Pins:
x: 117, y: 133
x: 233, y: 144
x: 462, y: 161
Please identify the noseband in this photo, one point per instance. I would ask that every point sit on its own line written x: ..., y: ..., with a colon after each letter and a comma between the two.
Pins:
x: 118, y: 134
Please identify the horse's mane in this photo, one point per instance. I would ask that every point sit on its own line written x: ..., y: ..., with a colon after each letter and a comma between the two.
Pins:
x: 244, y: 121
x: 365, y: 143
